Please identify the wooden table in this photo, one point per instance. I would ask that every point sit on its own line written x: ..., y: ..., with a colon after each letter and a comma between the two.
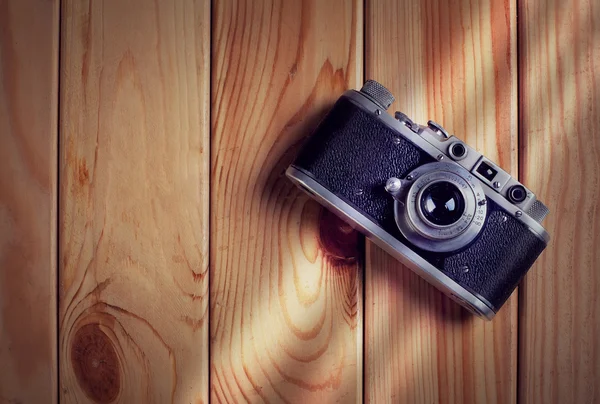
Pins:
x: 151, y: 250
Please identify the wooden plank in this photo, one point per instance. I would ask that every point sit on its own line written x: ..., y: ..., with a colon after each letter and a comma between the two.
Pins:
x: 560, y: 85
x: 285, y: 274
x: 28, y: 167
x: 453, y: 62
x: 134, y: 200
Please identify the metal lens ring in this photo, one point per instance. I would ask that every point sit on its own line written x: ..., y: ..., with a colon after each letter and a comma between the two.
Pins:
x: 423, y: 224
x: 422, y: 232
x: 415, y: 213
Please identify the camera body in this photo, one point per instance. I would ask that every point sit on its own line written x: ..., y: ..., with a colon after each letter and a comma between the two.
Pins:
x: 431, y: 201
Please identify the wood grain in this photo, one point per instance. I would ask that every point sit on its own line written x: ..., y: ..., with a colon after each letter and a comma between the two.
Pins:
x: 28, y: 142
x: 285, y: 274
x: 453, y: 62
x: 560, y: 118
x: 134, y: 200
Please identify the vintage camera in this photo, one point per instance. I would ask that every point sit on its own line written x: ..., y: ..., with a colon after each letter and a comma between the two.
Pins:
x: 428, y: 199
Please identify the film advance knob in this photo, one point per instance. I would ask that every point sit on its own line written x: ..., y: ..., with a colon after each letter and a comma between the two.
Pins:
x: 378, y: 94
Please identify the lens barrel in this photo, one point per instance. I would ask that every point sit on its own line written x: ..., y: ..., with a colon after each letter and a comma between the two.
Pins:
x: 440, y: 207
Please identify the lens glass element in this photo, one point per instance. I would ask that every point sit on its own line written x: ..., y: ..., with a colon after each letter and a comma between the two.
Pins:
x: 442, y: 203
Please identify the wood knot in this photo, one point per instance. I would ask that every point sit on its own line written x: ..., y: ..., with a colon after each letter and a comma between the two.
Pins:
x: 83, y: 173
x: 338, y: 239
x: 95, y: 364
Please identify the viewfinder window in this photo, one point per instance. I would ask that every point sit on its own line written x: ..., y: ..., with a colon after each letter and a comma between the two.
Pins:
x: 486, y: 171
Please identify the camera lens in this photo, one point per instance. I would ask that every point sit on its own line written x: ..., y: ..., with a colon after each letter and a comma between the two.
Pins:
x: 458, y: 151
x: 517, y: 193
x: 442, y: 203
x: 442, y: 209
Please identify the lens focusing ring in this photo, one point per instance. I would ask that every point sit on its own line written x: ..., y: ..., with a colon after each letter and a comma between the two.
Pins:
x: 424, y: 234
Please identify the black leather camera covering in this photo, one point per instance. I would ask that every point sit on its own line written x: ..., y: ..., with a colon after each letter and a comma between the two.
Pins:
x: 352, y: 154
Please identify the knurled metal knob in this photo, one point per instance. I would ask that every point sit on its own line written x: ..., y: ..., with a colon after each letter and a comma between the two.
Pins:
x: 378, y: 94
x: 538, y: 211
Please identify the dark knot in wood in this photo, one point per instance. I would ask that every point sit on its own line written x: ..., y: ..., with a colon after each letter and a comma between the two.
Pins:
x: 95, y: 364
x: 338, y: 239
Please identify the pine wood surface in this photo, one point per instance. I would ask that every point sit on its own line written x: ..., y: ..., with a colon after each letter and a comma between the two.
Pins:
x: 559, y: 356
x: 286, y: 284
x: 453, y: 62
x: 133, y: 210
x: 28, y: 189
x: 149, y: 160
